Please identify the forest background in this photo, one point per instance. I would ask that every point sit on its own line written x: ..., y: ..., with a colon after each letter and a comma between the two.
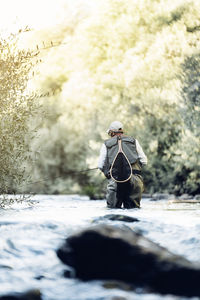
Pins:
x: 60, y: 87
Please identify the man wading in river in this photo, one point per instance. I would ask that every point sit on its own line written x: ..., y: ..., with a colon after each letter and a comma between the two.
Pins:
x: 121, y: 160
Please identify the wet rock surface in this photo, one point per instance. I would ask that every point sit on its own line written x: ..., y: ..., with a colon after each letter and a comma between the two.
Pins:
x: 108, y: 252
x: 117, y: 217
x: 29, y: 295
x: 162, y: 196
x: 184, y: 198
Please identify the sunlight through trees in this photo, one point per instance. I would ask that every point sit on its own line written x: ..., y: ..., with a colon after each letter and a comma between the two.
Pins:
x: 136, y: 61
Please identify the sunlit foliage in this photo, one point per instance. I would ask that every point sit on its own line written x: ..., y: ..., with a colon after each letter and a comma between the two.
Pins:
x: 16, y: 108
x: 136, y: 61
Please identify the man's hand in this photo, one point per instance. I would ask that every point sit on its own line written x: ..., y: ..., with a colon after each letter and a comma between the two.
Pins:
x: 141, y: 165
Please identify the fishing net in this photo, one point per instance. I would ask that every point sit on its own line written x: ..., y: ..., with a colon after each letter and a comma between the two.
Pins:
x: 121, y: 170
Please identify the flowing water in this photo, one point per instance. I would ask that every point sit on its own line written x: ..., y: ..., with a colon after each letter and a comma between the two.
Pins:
x: 29, y: 236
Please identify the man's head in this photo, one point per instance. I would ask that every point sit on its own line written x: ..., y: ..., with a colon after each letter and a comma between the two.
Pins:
x: 114, y: 128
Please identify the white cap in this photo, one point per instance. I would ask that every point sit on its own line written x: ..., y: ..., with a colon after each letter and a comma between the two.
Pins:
x: 115, y: 126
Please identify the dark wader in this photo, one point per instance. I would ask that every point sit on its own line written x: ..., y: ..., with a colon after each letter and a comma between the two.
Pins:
x: 128, y: 193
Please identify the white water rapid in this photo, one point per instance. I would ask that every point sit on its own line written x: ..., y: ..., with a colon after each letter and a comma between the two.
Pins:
x: 29, y: 236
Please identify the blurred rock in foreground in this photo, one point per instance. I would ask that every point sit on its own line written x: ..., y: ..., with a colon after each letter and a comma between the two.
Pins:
x: 108, y: 252
x: 29, y: 295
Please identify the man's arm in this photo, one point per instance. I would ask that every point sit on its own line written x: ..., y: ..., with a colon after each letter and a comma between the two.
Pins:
x: 142, y: 156
x: 102, y: 164
x: 102, y: 157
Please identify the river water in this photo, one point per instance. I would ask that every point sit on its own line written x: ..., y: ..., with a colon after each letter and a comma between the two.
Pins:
x: 29, y: 236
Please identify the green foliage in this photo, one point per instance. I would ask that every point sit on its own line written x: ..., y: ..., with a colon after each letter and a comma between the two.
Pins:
x: 186, y: 177
x: 191, y: 92
x: 136, y: 61
x: 16, y: 108
x: 93, y: 191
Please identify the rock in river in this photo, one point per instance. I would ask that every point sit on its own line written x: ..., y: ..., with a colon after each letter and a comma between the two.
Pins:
x: 109, y: 252
x: 117, y: 217
x: 29, y: 295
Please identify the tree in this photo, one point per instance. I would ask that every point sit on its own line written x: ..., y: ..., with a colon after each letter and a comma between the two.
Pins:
x: 17, y: 106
